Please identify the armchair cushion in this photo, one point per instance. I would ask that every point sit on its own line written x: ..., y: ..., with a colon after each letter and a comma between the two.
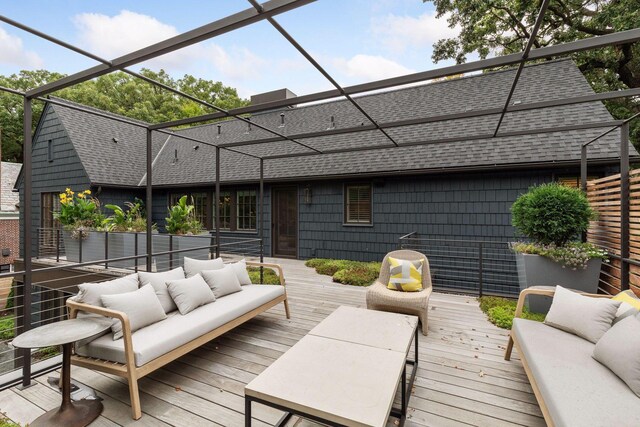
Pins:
x: 141, y: 306
x: 405, y: 275
x: 629, y: 305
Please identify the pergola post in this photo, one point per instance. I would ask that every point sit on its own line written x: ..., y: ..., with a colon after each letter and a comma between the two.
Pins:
x: 24, y: 321
x: 624, y: 206
x: 216, y: 203
x: 583, y: 176
x: 261, y: 218
x: 149, y: 201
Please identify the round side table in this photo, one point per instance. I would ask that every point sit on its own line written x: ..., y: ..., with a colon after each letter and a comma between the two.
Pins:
x: 65, y: 333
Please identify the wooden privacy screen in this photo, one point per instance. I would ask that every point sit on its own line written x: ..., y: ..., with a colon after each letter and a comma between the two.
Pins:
x: 604, y: 196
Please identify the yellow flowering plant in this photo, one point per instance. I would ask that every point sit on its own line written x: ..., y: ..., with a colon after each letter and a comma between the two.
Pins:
x: 79, y: 211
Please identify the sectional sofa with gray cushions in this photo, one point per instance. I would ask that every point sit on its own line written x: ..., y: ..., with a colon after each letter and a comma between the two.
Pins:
x: 158, y: 317
x: 582, y: 362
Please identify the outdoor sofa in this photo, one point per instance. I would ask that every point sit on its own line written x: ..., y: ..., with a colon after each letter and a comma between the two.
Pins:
x: 572, y: 388
x: 143, y: 351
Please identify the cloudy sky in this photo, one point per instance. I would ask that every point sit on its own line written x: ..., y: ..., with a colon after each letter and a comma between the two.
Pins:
x: 355, y: 40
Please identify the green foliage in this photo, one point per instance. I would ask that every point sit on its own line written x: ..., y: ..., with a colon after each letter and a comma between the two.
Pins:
x: 11, y: 296
x: 7, y: 327
x: 552, y: 213
x: 78, y: 212
x: 269, y: 276
x: 501, y: 311
x: 133, y: 219
x: 355, y: 273
x: 182, y: 220
x: 500, y: 28
x: 118, y: 93
x: 5, y: 422
x: 573, y: 255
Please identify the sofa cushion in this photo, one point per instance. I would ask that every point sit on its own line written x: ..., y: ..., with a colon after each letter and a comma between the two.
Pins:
x: 240, y: 268
x: 577, y: 390
x: 194, y: 266
x: 619, y: 349
x: 159, y: 283
x: 91, y: 293
x: 222, y: 282
x: 584, y: 316
x: 191, y: 293
x: 141, y: 306
x: 176, y: 330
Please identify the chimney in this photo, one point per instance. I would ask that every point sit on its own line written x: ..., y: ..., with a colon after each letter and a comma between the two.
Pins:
x: 274, y: 95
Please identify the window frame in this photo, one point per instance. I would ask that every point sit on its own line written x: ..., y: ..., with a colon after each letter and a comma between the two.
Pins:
x: 345, y: 205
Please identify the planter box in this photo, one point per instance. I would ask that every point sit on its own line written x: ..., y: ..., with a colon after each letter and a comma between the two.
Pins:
x: 124, y: 245
x: 92, y: 247
x: 536, y: 270
x: 163, y: 242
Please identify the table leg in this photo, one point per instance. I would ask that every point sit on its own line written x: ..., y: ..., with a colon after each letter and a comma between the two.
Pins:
x: 247, y: 412
x: 70, y: 414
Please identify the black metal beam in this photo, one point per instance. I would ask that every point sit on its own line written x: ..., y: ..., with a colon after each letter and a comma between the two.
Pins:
x: 205, y: 32
x: 525, y: 55
x: 620, y: 123
x: 624, y: 206
x: 27, y: 225
x: 217, y: 202
x: 321, y: 69
x: 13, y: 91
x: 149, y: 199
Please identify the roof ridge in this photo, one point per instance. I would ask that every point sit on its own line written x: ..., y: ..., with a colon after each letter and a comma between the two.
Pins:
x: 98, y: 110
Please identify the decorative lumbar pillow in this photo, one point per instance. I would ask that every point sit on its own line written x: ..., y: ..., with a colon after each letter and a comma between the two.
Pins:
x: 222, y: 282
x: 141, y: 306
x: 240, y: 269
x: 191, y: 293
x: 629, y: 305
x: 586, y: 317
x: 405, y: 275
x: 90, y: 293
x: 618, y: 350
x: 159, y: 283
x: 194, y: 266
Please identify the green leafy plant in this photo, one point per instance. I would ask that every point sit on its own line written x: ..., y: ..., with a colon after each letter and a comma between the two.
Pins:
x: 573, y: 254
x: 182, y: 220
x: 501, y: 311
x: 269, y: 276
x: 79, y: 213
x: 7, y: 327
x: 347, y: 272
x: 133, y: 219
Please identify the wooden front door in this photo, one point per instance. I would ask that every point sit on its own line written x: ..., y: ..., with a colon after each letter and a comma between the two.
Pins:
x: 285, y: 222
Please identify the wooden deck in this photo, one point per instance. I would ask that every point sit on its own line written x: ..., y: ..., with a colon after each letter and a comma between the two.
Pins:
x: 462, y: 380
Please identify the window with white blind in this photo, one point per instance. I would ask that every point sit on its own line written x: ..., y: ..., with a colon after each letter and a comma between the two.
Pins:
x: 357, y: 204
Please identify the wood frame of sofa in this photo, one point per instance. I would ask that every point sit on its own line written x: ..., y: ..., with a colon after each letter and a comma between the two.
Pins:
x: 133, y: 373
x: 536, y: 290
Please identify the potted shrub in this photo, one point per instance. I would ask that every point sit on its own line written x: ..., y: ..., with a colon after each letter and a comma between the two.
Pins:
x: 553, y: 216
x: 186, y: 233
x: 123, y: 225
x: 80, y: 216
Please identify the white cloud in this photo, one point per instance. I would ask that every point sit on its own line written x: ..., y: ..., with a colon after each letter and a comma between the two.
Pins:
x: 13, y: 52
x: 371, y: 67
x: 401, y: 32
x: 241, y: 64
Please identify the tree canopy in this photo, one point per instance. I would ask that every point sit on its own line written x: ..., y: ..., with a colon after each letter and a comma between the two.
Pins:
x: 502, y: 27
x: 118, y: 93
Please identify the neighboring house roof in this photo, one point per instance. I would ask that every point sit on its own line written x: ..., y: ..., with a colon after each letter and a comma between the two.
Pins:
x: 108, y: 163
x: 8, y: 198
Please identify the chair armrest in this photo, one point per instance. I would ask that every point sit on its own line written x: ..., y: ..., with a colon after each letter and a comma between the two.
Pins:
x: 546, y: 291
x: 275, y: 267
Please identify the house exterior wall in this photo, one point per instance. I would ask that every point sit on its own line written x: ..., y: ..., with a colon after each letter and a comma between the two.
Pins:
x: 9, y: 240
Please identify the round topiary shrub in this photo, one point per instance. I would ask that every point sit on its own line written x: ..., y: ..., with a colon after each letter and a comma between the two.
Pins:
x: 552, y: 213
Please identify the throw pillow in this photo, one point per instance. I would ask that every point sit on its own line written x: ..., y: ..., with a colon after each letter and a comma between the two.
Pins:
x: 580, y: 315
x: 222, y: 282
x: 629, y: 305
x: 240, y: 269
x: 141, y: 306
x: 405, y: 275
x: 159, y: 283
x: 618, y: 350
x: 90, y: 293
x: 191, y: 293
x: 194, y: 266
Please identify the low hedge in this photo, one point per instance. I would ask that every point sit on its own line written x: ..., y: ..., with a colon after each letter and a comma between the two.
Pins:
x: 501, y: 311
x: 269, y: 276
x: 355, y: 273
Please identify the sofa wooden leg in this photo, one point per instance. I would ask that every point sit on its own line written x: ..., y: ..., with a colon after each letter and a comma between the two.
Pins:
x: 134, y: 395
x: 507, y: 353
x: 286, y: 309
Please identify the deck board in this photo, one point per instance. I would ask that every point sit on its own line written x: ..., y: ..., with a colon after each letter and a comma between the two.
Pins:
x: 463, y: 378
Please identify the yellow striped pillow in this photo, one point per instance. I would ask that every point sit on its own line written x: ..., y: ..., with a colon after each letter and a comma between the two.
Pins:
x: 629, y: 307
x: 405, y: 275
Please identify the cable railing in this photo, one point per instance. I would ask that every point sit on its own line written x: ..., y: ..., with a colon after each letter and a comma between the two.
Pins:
x: 55, y: 278
x: 477, y: 267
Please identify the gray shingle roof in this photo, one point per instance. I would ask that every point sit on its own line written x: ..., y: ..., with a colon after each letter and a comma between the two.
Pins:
x: 124, y: 163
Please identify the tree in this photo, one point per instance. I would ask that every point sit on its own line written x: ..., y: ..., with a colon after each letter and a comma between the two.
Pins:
x: 503, y: 26
x: 118, y: 93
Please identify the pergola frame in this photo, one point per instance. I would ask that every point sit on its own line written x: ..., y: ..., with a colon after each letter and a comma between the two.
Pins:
x: 267, y: 11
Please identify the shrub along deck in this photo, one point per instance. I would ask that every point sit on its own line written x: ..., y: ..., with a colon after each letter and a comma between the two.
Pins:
x: 462, y: 380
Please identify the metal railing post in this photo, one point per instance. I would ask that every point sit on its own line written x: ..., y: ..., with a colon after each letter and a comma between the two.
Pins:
x: 171, y: 251
x: 57, y: 245
x: 106, y: 249
x: 624, y: 207
x: 261, y: 261
x: 81, y: 238
x: 480, y: 267
x: 135, y: 250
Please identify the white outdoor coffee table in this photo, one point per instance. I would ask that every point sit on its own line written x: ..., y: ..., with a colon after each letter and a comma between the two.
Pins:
x: 345, y: 372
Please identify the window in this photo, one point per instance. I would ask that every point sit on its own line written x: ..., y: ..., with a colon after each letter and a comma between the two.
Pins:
x: 246, y: 210
x: 199, y: 201
x: 357, y: 204
x: 50, y: 203
x: 50, y: 150
x: 225, y: 210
